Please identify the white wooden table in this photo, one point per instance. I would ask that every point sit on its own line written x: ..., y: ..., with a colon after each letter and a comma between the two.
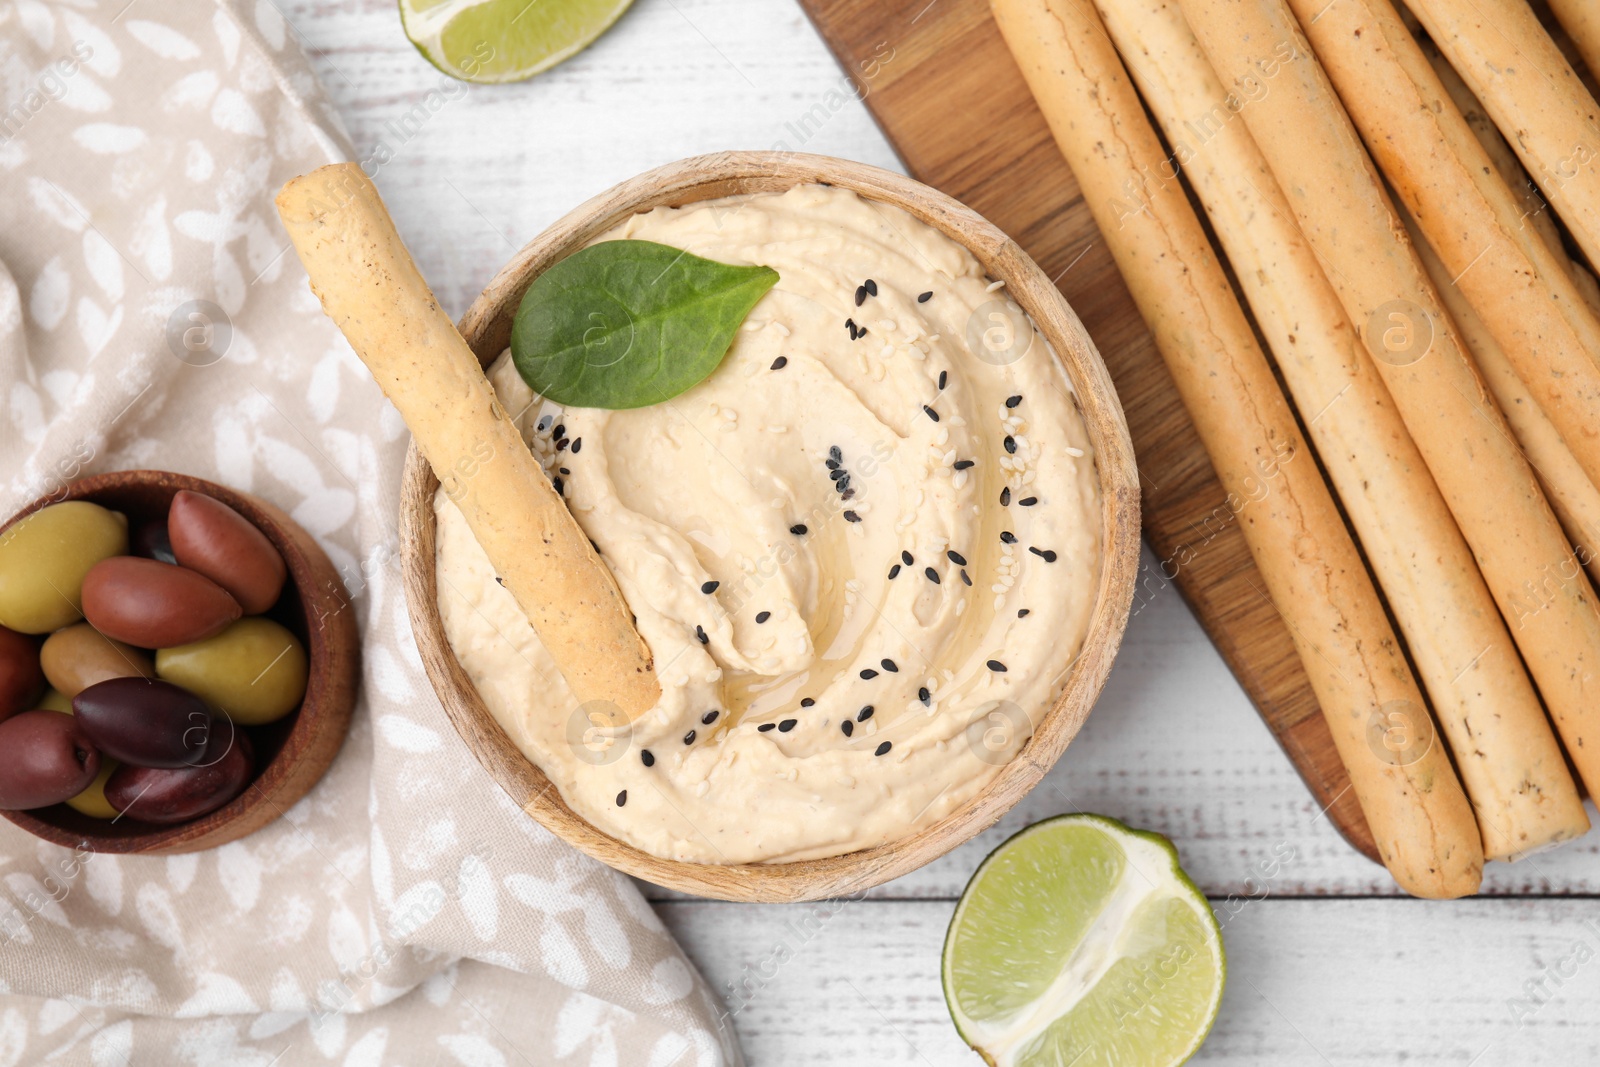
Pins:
x: 1327, y: 963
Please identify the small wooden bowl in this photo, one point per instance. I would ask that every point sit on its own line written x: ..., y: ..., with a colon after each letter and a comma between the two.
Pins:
x: 292, y: 753
x: 487, y: 328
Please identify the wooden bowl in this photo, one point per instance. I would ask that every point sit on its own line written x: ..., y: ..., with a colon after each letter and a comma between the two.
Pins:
x: 487, y: 328
x: 292, y: 753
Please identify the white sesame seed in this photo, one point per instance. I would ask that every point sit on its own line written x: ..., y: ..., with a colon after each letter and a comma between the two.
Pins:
x: 1075, y: 453
x: 783, y: 331
x: 942, y: 438
x: 961, y: 607
x: 992, y: 286
x: 888, y: 324
x: 958, y: 480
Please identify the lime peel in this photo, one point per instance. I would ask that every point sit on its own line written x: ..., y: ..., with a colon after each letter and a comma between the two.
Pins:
x: 497, y: 41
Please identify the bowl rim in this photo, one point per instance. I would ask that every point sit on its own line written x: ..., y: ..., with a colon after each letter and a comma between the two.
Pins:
x: 321, y: 721
x: 487, y: 328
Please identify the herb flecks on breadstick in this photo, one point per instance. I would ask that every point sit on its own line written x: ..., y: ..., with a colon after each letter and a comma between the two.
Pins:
x: 1314, y: 575
x: 1507, y: 754
x: 1339, y: 201
x: 372, y: 290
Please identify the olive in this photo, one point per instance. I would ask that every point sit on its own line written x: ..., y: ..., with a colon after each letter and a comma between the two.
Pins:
x: 79, y: 656
x: 44, y: 558
x: 174, y: 796
x: 44, y: 759
x: 20, y: 677
x: 146, y: 722
x: 151, y: 541
x: 154, y: 605
x: 210, y: 537
x: 255, y: 670
x: 56, y: 700
x: 92, y: 801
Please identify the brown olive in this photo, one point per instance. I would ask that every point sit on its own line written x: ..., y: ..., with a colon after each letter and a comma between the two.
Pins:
x: 44, y: 759
x: 154, y: 605
x: 44, y: 558
x: 210, y: 537
x: 178, y: 795
x: 20, y: 677
x: 78, y: 656
x: 254, y: 671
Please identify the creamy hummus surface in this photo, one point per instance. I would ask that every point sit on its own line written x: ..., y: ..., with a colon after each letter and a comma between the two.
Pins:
x: 863, y: 556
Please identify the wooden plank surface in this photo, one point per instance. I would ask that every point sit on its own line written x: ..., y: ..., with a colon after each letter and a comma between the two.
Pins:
x: 954, y: 105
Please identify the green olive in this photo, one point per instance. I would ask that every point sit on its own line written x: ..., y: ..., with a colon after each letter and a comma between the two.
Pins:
x: 253, y: 672
x: 92, y: 801
x: 56, y: 700
x: 43, y: 560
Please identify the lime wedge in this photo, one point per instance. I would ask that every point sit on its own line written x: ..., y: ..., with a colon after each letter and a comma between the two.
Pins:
x: 1081, y: 943
x: 492, y: 41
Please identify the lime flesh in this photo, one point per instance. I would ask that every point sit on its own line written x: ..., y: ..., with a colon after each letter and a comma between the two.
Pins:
x: 1081, y: 943
x: 492, y: 41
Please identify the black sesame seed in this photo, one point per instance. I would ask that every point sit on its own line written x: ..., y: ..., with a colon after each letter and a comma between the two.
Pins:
x: 787, y: 724
x: 851, y: 516
x: 867, y: 674
x: 700, y: 632
x: 894, y: 572
x: 807, y: 702
x: 1028, y: 501
x: 850, y: 324
x: 561, y: 487
x: 847, y: 494
x: 1013, y: 401
x: 710, y: 717
x: 996, y: 666
x: 1047, y: 554
x: 560, y: 430
x: 923, y: 694
x: 944, y: 376
x: 563, y: 443
x: 1011, y: 444
x: 905, y: 557
x: 798, y: 529
x: 963, y: 464
x: 843, y: 484
x: 861, y: 295
x: 688, y: 738
x: 577, y: 443
x: 847, y: 727
x: 622, y: 798
x: 501, y: 580
x: 871, y: 287
x: 933, y: 575
x: 864, y: 714
x: 1008, y: 537
x: 957, y: 558
x: 1005, y: 496
x: 563, y: 470
x: 888, y: 665
x: 835, y: 455
x: 883, y: 749
x: 965, y: 577
x: 831, y: 464
x: 647, y: 758
x: 544, y: 424
x: 1022, y: 613
x: 925, y: 297
x: 836, y: 474
x: 709, y: 587
x: 780, y: 363
x: 932, y: 414
x: 767, y: 727
x: 763, y: 616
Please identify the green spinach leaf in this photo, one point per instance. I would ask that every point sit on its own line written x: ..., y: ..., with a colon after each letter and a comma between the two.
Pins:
x: 626, y: 324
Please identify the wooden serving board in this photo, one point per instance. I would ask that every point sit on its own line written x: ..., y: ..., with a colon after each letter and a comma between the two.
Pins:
x: 939, y: 80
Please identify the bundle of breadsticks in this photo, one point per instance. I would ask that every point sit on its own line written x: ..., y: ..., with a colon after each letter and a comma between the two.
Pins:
x: 1406, y: 199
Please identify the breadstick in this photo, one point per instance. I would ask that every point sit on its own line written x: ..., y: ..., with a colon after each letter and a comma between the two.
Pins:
x: 1536, y: 98
x: 1522, y: 290
x: 1574, y: 498
x: 1504, y: 749
x: 1415, y: 807
x: 1347, y: 218
x: 1581, y: 20
x: 372, y: 290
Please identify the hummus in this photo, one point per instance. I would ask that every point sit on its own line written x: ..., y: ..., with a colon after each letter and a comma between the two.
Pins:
x: 864, y: 551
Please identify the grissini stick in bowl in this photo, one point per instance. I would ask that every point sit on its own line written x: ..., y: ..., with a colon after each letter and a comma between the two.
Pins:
x: 1523, y: 290
x: 1503, y: 745
x: 1536, y: 98
x: 372, y: 290
x: 1581, y: 20
x: 1419, y: 815
x: 1339, y: 200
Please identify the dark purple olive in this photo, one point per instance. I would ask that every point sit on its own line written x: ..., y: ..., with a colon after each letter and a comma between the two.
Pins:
x: 160, y: 796
x: 44, y: 759
x: 151, y: 542
x: 21, y: 679
x: 146, y: 722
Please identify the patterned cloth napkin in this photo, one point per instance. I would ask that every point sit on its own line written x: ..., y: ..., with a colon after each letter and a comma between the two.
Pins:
x: 151, y: 315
